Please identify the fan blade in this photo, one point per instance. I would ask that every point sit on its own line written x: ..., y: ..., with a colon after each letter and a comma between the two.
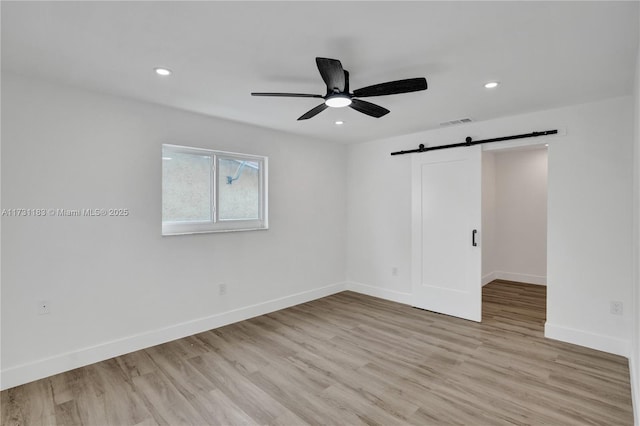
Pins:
x: 312, y: 113
x: 332, y: 74
x: 287, y: 95
x: 392, y: 87
x: 368, y: 108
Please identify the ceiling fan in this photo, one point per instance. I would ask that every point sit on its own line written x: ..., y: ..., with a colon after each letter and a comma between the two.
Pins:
x: 337, y: 80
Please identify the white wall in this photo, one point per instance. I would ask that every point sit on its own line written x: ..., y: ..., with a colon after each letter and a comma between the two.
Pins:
x: 379, y: 219
x: 635, y: 357
x: 114, y: 284
x: 589, y: 215
x: 520, y: 229
x: 488, y: 235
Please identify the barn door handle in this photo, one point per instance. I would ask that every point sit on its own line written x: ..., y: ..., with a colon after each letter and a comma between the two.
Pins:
x: 473, y: 238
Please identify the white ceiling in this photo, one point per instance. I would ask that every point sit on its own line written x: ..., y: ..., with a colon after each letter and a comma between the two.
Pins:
x: 545, y: 54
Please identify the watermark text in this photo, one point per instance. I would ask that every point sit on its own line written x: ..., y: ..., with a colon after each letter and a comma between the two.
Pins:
x: 58, y: 212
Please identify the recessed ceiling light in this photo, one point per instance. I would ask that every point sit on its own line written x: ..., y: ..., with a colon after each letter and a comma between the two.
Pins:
x: 338, y: 101
x: 339, y: 123
x: 163, y: 71
x: 491, y: 85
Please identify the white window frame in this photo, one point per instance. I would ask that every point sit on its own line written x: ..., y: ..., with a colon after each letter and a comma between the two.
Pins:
x: 215, y: 224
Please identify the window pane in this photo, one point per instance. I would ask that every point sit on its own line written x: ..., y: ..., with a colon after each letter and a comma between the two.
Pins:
x: 186, y: 187
x: 238, y: 189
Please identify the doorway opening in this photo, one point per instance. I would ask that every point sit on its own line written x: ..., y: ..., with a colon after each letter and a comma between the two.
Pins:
x: 514, y: 235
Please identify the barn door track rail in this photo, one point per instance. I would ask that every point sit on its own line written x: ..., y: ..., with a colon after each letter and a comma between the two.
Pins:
x: 470, y: 142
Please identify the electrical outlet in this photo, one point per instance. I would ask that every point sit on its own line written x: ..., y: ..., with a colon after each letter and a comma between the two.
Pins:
x: 394, y: 271
x: 44, y: 308
x: 222, y: 289
x: 616, y: 308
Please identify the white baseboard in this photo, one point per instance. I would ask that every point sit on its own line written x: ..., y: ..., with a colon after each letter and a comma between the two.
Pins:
x: 514, y: 276
x: 31, y: 371
x: 486, y: 279
x: 600, y: 342
x: 382, y: 293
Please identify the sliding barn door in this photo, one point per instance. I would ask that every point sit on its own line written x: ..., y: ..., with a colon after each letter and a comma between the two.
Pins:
x: 446, y: 217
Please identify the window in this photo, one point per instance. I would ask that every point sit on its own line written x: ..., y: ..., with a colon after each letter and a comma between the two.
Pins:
x: 212, y: 191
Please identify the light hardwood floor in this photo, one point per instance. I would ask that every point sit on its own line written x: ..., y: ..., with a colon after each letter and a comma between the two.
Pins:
x: 347, y: 359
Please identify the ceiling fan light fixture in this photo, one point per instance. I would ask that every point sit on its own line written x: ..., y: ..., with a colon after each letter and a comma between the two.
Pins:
x: 338, y: 101
x: 338, y: 95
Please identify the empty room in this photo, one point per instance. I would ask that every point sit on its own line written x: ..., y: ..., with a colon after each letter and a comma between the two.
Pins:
x: 320, y: 213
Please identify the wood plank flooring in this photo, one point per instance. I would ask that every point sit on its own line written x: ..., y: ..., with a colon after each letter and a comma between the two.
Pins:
x: 347, y: 359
